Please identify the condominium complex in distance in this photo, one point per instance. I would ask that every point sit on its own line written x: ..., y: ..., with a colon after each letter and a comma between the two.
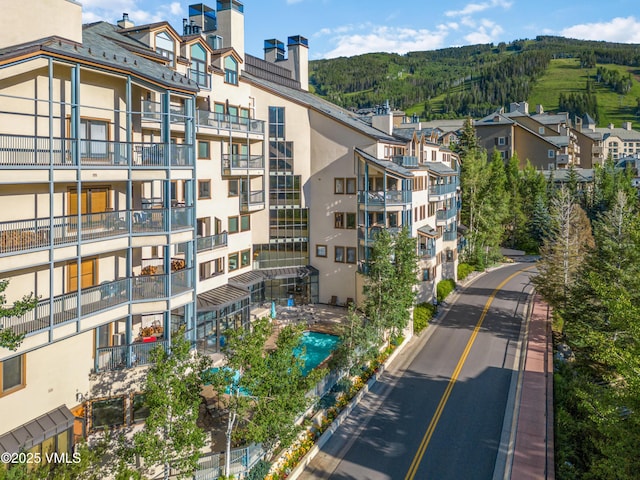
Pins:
x: 152, y: 179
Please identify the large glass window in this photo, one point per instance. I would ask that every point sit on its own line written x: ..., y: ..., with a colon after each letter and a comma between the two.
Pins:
x: 165, y: 46
x: 284, y: 189
x: 107, y: 413
x: 139, y: 408
x: 93, y: 138
x: 280, y: 156
x: 199, y: 66
x: 276, y: 123
x: 230, y: 70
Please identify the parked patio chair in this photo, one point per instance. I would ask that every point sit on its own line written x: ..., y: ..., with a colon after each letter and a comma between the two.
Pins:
x: 333, y: 301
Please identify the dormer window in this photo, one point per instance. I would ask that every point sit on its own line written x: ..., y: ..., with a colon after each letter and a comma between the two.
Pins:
x: 198, y: 71
x: 165, y: 46
x: 230, y: 70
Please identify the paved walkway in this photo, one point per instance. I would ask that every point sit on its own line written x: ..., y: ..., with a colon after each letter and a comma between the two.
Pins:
x: 533, y: 454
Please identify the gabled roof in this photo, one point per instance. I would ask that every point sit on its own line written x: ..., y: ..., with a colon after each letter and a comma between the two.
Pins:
x: 385, y: 164
x: 621, y: 133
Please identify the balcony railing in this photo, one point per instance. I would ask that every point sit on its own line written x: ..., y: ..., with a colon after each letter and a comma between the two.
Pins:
x: 393, y: 197
x: 406, y: 160
x: 444, y: 216
x: 450, y: 236
x: 241, y: 162
x: 25, y: 235
x: 369, y: 234
x: 211, y: 242
x: 428, y: 252
x: 229, y: 122
x: 442, y: 189
x: 152, y: 111
x: 251, y: 200
x: 66, y: 308
x: 125, y: 356
x: 21, y: 150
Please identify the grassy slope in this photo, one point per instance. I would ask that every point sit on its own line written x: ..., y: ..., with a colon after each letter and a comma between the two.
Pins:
x: 565, y: 75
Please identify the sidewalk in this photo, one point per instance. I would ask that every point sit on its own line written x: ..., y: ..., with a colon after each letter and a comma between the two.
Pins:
x: 533, y: 454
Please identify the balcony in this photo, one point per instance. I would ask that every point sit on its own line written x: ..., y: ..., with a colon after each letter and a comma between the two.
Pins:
x: 30, y: 151
x: 369, y: 234
x: 126, y: 356
x: 450, y: 236
x: 212, y: 242
x: 252, y: 201
x: 406, y: 161
x: 390, y: 198
x: 27, y: 235
x: 152, y: 112
x: 108, y: 295
x: 444, y: 217
x: 427, y: 252
x: 238, y: 164
x: 230, y: 123
x: 440, y: 191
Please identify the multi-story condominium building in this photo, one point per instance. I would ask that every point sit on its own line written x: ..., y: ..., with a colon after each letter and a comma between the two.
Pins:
x: 152, y: 180
x: 546, y: 141
x: 618, y: 142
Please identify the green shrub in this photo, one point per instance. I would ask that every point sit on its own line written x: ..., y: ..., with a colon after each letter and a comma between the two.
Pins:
x: 444, y: 288
x: 464, y: 269
x: 422, y: 313
x: 259, y: 471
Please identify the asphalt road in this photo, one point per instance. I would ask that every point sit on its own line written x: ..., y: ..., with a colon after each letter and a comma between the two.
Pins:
x: 444, y: 409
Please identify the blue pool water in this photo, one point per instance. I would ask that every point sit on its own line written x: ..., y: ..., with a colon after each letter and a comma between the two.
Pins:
x: 317, y: 347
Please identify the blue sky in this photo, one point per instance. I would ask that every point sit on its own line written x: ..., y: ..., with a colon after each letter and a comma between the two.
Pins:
x: 351, y: 27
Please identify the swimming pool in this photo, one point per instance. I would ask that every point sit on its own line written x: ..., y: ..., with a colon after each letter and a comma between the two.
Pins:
x: 317, y: 347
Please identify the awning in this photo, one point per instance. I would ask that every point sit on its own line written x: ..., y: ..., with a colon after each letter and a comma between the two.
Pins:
x: 220, y: 297
x: 290, y: 272
x: 246, y: 280
x: 428, y: 231
x: 37, y: 431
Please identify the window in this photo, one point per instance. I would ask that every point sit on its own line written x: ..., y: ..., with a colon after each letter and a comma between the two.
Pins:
x: 351, y: 186
x: 230, y: 70
x: 426, y: 275
x: 502, y: 141
x: 338, y: 220
x: 245, y: 258
x: 212, y: 268
x: 339, y: 254
x: 12, y: 374
x: 551, y: 153
x: 233, y: 262
x: 351, y: 220
x: 233, y: 225
x: 233, y: 188
x: 245, y: 223
x: 93, y: 138
x: 139, y: 408
x: 203, y: 149
x: 276, y: 123
x: 198, y: 71
x: 351, y: 254
x: 164, y: 46
x: 338, y: 186
x: 321, y: 251
x: 107, y: 413
x: 541, y: 130
x: 204, y: 189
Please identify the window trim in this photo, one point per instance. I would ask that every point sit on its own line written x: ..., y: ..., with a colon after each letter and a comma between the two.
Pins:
x: 242, y: 217
x: 248, y: 252
x: 237, y: 229
x: 23, y: 376
x: 237, y: 183
x: 341, y: 223
x: 353, y: 181
x: 335, y: 254
x: 237, y: 267
x: 318, y: 247
x: 355, y: 255
x: 92, y: 427
x: 355, y: 220
x: 337, y: 180
x: 208, y: 144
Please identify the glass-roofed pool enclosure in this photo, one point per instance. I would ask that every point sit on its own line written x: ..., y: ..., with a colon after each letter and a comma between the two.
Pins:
x: 229, y: 306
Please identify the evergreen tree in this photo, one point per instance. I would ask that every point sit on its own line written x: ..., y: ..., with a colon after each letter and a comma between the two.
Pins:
x: 515, y: 228
x: 379, y: 298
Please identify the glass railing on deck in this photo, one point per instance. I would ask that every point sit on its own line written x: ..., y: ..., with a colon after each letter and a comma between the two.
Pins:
x: 450, y: 236
x: 181, y: 281
x: 212, y: 242
x: 229, y: 122
x: 125, y: 356
x: 446, y: 214
x: 442, y: 189
x: 145, y: 287
x: 252, y: 198
x: 393, y: 197
x: 243, y: 162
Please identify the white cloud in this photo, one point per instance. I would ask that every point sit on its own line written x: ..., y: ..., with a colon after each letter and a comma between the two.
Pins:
x: 487, y: 32
x: 375, y: 38
x: 472, y: 8
x: 175, y: 8
x: 111, y: 11
x: 622, y: 30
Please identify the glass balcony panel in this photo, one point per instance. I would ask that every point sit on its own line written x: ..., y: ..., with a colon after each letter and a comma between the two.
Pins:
x: 145, y: 287
x: 211, y: 242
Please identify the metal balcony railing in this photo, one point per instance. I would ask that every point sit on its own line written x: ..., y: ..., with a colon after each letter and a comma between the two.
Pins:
x: 393, y: 197
x: 251, y: 200
x: 443, y: 189
x: 21, y: 150
x: 211, y: 242
x: 242, y: 162
x: 450, y: 236
x: 445, y: 215
x: 152, y: 111
x: 125, y: 356
x: 229, y: 122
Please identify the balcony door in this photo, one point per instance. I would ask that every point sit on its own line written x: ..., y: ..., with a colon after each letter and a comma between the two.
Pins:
x: 92, y: 200
x: 88, y: 274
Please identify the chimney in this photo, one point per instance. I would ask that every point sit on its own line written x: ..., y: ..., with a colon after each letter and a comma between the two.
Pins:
x: 383, y: 119
x: 610, y: 126
x: 231, y: 25
x: 298, y: 59
x: 539, y: 109
x: 273, y: 50
x: 125, y: 22
x: 626, y: 125
x: 203, y: 17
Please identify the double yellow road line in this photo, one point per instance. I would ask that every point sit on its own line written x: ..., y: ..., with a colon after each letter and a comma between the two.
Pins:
x: 454, y: 377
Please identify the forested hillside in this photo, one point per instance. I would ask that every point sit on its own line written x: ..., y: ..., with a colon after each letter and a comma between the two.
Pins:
x: 475, y: 80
